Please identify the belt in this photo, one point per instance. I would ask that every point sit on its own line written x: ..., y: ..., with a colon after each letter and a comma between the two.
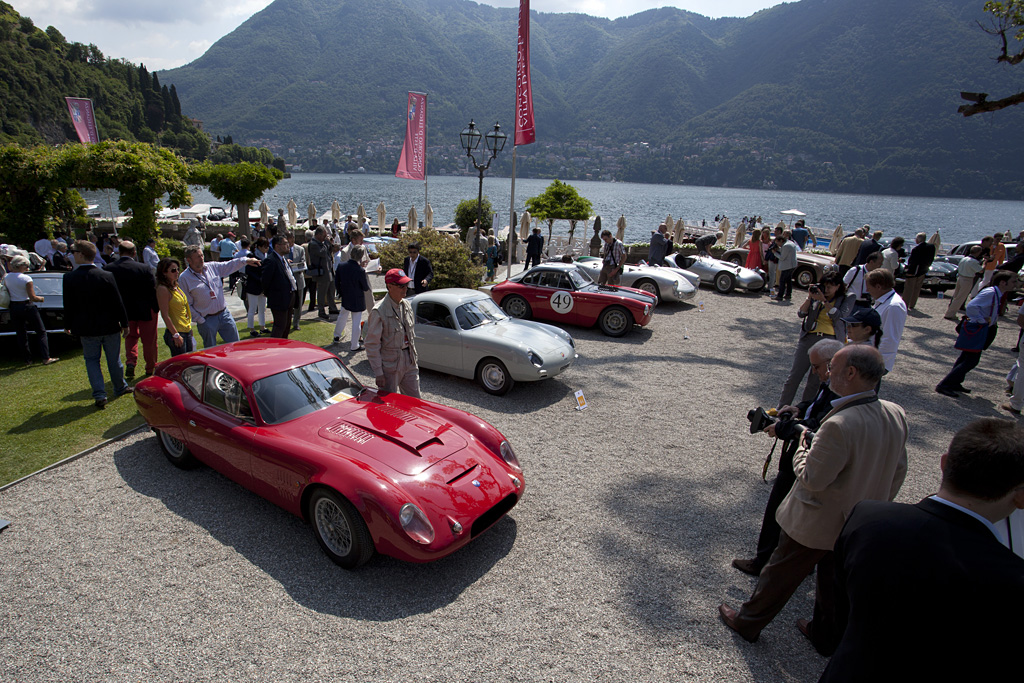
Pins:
x: 214, y: 314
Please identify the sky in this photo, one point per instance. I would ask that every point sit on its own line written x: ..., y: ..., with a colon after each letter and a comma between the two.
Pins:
x: 163, y: 35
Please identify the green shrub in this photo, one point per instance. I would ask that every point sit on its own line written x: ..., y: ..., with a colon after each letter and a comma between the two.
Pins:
x: 465, y: 215
x: 451, y: 259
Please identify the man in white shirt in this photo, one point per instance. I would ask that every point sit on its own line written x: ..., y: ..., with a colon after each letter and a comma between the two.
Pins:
x: 969, y: 268
x: 856, y: 277
x: 891, y: 255
x: 891, y: 309
x: 149, y: 255
x: 44, y: 248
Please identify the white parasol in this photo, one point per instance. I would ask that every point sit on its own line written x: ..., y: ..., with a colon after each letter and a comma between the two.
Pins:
x: 264, y: 212
x: 293, y: 213
x: 311, y: 210
x: 430, y: 216
x: 414, y: 222
x: 361, y: 215
x: 741, y: 234
x: 620, y: 225
x: 725, y: 227
x: 793, y: 213
x: 669, y: 222
x: 524, y: 226
x: 935, y: 240
x: 837, y: 237
x: 381, y: 215
x: 678, y: 231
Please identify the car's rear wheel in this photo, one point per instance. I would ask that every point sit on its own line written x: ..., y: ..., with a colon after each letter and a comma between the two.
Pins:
x: 176, y: 451
x: 736, y: 259
x: 805, y: 277
x: 725, y: 282
x: 516, y: 306
x: 615, y: 321
x: 649, y: 286
x: 340, y: 531
x: 493, y: 376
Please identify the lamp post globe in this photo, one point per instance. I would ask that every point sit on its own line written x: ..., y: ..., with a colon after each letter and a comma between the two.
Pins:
x: 494, y: 143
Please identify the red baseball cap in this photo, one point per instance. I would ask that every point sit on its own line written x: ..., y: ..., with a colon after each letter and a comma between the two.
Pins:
x: 396, y: 276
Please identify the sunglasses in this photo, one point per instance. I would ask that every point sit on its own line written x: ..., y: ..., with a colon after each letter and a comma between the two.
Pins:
x: 172, y: 269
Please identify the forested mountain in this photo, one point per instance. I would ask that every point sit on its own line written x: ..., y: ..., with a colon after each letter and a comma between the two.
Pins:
x: 38, y: 69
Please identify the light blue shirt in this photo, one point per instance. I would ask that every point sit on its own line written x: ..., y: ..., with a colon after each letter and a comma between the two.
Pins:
x: 984, y: 308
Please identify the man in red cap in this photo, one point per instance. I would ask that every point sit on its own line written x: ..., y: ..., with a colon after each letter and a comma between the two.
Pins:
x: 390, y: 338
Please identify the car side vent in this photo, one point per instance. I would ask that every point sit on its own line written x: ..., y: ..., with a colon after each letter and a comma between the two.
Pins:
x: 403, y: 415
x: 351, y: 432
x: 430, y: 442
x: 460, y: 476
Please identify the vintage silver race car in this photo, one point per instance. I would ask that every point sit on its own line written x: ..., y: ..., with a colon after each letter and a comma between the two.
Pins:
x: 463, y: 332
x: 664, y: 283
x: 722, y: 275
x: 810, y: 267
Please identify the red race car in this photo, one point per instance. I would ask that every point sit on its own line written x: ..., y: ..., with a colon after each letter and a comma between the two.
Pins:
x: 369, y: 470
x: 559, y: 292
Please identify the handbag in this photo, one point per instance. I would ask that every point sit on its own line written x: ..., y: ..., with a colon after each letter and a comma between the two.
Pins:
x: 972, y: 336
x: 5, y: 295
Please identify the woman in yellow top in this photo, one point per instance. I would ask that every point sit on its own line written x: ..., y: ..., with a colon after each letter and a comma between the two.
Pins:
x: 822, y: 318
x: 174, y: 308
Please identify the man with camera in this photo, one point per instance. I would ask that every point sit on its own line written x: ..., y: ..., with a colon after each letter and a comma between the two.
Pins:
x: 789, y: 426
x: 858, y: 453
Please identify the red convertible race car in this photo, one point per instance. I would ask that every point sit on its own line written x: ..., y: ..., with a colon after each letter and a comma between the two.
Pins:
x: 369, y: 470
x: 561, y: 293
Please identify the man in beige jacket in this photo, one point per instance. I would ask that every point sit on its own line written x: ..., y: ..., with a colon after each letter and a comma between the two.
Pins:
x: 858, y: 453
x: 390, y: 339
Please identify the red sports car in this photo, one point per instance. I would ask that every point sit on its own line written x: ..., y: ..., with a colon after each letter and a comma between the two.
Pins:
x: 559, y: 292
x: 369, y: 470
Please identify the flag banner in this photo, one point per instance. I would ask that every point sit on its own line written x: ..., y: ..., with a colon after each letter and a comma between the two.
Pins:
x: 413, y: 162
x: 81, y: 116
x: 525, y: 133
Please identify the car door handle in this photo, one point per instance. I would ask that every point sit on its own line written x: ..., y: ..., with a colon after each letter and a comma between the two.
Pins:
x: 192, y: 423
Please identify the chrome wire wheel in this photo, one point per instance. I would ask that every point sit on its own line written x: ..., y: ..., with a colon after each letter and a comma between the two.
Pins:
x: 174, y: 448
x: 332, y: 526
x: 650, y: 287
x: 177, y: 452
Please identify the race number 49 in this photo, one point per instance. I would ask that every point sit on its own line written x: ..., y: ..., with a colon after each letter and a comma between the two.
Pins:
x: 561, y: 302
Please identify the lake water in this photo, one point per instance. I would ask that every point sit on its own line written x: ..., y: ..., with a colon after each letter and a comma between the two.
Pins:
x: 644, y: 206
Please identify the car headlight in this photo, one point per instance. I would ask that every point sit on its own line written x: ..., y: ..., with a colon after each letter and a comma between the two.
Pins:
x: 508, y: 455
x: 534, y: 358
x: 416, y: 524
x: 647, y: 309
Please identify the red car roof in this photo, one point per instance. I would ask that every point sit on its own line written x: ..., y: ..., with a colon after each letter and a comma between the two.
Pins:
x: 253, y: 359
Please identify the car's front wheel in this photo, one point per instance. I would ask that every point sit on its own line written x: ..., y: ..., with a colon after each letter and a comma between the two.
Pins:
x: 176, y: 451
x: 516, y: 306
x: 493, y: 376
x: 649, y: 286
x: 339, y: 529
x: 615, y: 321
x: 736, y: 259
x: 805, y: 277
x: 725, y: 282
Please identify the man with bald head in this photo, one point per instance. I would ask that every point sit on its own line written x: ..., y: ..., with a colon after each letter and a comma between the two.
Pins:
x: 858, y: 453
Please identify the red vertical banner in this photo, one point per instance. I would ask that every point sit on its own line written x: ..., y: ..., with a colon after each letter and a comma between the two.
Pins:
x: 525, y: 133
x: 413, y: 162
x: 83, y: 119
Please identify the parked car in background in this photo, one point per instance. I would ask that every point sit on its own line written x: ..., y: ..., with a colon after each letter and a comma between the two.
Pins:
x: 722, y: 275
x: 810, y: 267
x: 561, y: 292
x: 50, y: 286
x: 663, y: 283
x: 370, y: 471
x: 464, y: 333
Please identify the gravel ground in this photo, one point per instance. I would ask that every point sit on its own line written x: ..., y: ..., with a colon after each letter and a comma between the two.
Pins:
x: 119, y: 567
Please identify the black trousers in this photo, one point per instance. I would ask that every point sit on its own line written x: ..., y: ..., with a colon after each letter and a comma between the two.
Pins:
x: 532, y: 258
x: 25, y: 317
x: 768, y: 539
x: 786, y: 284
x: 282, y: 322
x: 967, y: 361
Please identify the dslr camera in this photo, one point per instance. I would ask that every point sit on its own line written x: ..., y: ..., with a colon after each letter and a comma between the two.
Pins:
x: 786, y: 427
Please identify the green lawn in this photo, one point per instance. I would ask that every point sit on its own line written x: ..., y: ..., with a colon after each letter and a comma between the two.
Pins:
x: 47, y: 413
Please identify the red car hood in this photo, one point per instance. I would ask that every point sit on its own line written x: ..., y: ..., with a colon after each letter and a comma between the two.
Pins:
x: 408, y: 441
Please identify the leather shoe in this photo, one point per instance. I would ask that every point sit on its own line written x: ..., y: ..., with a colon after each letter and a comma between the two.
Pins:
x: 728, y: 615
x: 962, y: 389
x: 747, y: 566
x: 101, y: 403
x: 946, y: 392
x: 129, y: 372
x: 805, y: 627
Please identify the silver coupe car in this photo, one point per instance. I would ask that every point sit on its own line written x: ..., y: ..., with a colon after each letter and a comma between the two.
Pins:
x: 722, y: 275
x: 464, y: 333
x: 664, y: 283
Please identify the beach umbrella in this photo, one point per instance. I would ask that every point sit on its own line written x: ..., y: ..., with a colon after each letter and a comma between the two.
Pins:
x: 335, y: 211
x: 430, y: 216
x: 293, y: 213
x: 414, y: 222
x: 793, y: 213
x: 524, y: 226
x: 741, y: 234
x: 677, y: 231
x: 669, y: 222
x: 264, y: 212
x: 381, y: 215
x: 311, y: 211
x: 837, y: 237
x: 620, y: 225
x: 361, y: 215
x: 935, y: 241
x: 725, y: 228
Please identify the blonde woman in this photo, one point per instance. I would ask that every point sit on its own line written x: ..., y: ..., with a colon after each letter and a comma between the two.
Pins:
x: 24, y: 312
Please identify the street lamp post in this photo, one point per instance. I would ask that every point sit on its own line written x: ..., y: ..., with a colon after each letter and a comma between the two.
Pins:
x: 494, y: 143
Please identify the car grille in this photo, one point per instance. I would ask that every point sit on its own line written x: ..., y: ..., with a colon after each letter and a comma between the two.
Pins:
x: 484, y: 521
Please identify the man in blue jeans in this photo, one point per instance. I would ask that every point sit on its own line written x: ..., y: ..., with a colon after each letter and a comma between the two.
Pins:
x: 204, y: 291
x: 93, y: 310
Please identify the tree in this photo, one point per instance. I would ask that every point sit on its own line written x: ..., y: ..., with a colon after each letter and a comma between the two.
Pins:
x: 1007, y: 17
x: 560, y: 201
x: 466, y: 213
x: 452, y: 262
x: 240, y: 184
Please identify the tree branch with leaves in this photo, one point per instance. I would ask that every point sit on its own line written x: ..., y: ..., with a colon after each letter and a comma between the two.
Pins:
x: 1006, y: 23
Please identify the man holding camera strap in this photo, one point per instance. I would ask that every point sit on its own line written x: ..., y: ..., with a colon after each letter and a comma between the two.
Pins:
x: 858, y: 453
x: 807, y: 414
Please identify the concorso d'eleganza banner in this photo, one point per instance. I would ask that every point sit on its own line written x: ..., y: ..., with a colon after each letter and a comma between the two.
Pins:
x: 413, y: 162
x: 525, y: 133
x: 81, y: 116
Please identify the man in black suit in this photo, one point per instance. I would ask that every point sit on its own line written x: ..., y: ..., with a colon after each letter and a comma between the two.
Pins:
x: 279, y: 286
x: 318, y: 252
x: 918, y: 263
x: 418, y: 268
x: 137, y: 285
x: 868, y: 247
x: 934, y: 594
x: 93, y: 310
x: 534, y: 248
x: 809, y: 414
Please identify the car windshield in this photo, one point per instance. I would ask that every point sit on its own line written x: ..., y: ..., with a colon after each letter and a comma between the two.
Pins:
x: 580, y: 279
x: 48, y: 286
x: 303, y: 390
x: 477, y: 313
